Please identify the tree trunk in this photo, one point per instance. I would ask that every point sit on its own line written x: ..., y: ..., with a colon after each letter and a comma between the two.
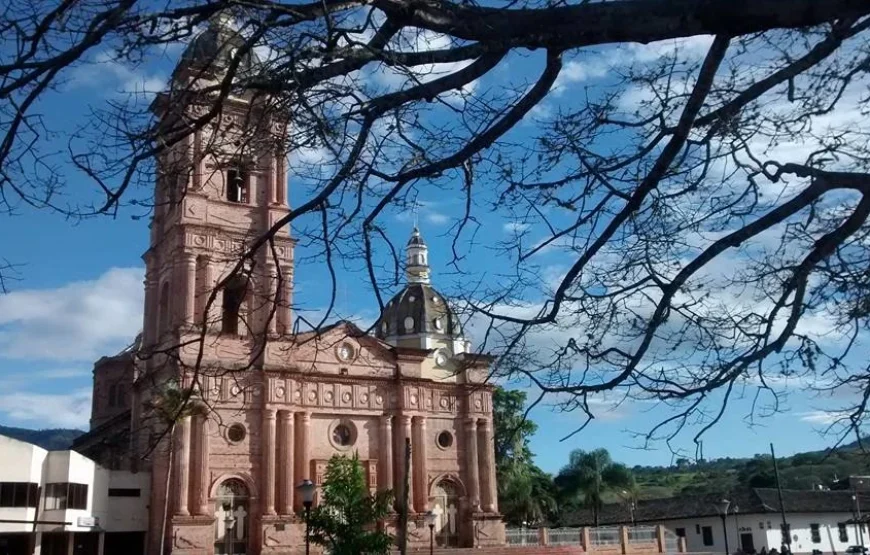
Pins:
x: 166, y: 492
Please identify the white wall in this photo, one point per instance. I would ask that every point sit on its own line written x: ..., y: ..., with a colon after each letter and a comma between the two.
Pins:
x: 24, y: 462
x: 765, y: 530
x: 19, y: 462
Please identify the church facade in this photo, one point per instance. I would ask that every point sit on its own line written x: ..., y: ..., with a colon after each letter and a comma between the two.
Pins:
x: 276, y: 405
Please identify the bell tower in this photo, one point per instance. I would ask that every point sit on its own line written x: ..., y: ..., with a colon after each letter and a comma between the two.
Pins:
x: 220, y: 185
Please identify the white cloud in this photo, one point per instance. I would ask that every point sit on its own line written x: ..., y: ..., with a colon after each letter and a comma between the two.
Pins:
x: 68, y: 410
x: 80, y: 321
x: 514, y: 228
x: 578, y: 72
x: 110, y: 75
x: 437, y: 218
x: 820, y: 416
x: 17, y: 379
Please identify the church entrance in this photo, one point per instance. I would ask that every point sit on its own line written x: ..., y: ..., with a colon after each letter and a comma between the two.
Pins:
x: 445, y: 503
x: 231, y: 519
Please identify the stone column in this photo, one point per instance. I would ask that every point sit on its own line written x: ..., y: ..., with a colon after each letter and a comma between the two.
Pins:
x: 203, y: 474
x: 182, y: 466
x: 386, y: 454
x: 283, y: 314
x: 408, y: 432
x: 486, y: 450
x: 471, y: 463
x: 273, y: 180
x: 421, y: 474
x: 281, y: 186
x: 273, y: 306
x: 190, y: 288
x: 285, y: 462
x: 197, y: 160
x: 303, y: 463
x: 212, y: 318
x: 151, y: 317
x: 268, y: 447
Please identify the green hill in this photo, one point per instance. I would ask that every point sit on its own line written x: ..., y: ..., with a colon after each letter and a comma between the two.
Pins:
x: 800, y: 471
x: 52, y: 439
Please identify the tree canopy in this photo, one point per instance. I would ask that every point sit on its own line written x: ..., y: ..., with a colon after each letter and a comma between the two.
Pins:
x: 708, y: 197
x: 345, y: 519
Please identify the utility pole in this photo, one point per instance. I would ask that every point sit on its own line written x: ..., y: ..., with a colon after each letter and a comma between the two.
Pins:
x: 786, y: 533
x: 403, y: 506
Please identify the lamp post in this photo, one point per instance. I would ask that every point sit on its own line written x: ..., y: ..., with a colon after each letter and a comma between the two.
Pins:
x: 430, y: 518
x: 859, y: 526
x: 307, y: 488
x: 722, y: 507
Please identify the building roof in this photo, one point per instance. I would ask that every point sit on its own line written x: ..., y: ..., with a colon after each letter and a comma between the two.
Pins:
x: 215, y: 47
x: 417, y: 309
x: 749, y: 501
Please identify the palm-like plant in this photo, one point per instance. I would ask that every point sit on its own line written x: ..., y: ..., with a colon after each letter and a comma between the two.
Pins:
x: 525, y: 493
x: 592, y: 474
x: 168, y: 406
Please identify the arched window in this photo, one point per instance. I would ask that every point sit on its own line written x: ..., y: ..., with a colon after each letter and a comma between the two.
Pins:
x: 237, y: 184
x: 233, y: 298
x: 232, y: 514
x: 163, y: 310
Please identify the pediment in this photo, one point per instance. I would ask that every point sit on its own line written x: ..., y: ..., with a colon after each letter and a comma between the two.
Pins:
x: 339, y: 349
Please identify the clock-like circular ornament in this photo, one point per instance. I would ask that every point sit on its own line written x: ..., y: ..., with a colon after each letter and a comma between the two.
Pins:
x: 345, y: 352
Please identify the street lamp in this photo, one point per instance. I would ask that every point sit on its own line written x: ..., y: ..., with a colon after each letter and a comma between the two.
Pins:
x: 430, y: 518
x: 722, y: 507
x: 307, y: 488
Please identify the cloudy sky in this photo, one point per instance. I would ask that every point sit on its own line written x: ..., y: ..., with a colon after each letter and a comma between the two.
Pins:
x: 79, y: 295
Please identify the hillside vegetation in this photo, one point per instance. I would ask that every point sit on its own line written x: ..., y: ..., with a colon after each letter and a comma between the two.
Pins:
x: 52, y: 439
x: 800, y: 471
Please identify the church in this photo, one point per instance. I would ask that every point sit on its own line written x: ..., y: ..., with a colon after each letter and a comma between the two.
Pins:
x: 276, y: 404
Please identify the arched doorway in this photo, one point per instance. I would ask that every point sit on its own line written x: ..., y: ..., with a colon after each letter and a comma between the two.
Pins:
x: 445, y: 503
x: 232, y: 518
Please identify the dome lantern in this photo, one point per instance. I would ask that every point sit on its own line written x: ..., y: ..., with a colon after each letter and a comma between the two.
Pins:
x: 416, y: 259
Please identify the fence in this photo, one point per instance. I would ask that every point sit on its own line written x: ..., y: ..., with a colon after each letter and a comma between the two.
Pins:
x: 522, y: 536
x: 605, y: 536
x: 642, y: 534
x: 565, y: 536
x: 622, y: 539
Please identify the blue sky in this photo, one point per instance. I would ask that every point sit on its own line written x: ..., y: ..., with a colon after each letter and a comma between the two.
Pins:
x: 80, y: 291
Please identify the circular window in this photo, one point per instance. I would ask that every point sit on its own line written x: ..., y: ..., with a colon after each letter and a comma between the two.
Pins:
x: 409, y: 323
x: 345, y: 352
x: 236, y: 433
x: 342, y: 434
x: 445, y: 440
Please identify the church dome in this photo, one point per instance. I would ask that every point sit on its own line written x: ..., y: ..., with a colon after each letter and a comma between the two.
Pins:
x: 418, y: 308
x: 215, y: 47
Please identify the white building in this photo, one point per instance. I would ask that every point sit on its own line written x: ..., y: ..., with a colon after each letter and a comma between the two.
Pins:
x: 817, y: 520
x: 62, y: 503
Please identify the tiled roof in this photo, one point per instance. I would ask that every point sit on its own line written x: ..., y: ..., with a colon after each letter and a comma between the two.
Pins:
x: 749, y: 501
